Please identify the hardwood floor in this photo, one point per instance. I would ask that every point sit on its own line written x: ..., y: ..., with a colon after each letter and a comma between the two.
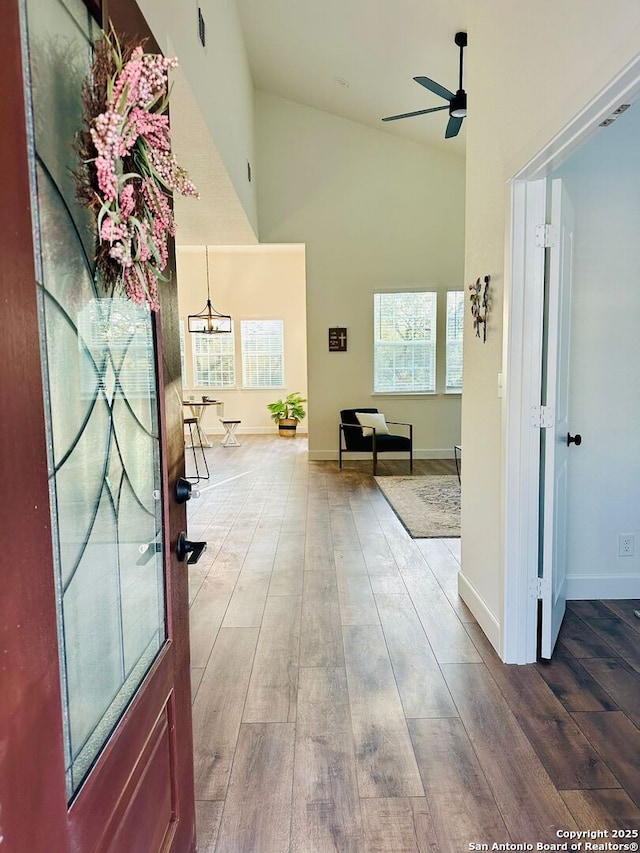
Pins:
x: 346, y: 700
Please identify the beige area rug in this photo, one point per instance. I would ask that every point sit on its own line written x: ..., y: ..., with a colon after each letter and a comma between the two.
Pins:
x: 429, y: 506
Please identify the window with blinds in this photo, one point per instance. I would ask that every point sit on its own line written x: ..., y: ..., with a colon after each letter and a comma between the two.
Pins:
x: 214, y: 360
x: 262, y: 353
x: 405, y: 342
x: 455, y: 324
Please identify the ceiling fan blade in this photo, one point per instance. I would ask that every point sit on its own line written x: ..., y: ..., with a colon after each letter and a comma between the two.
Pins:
x: 416, y: 113
x: 453, y: 127
x: 434, y: 87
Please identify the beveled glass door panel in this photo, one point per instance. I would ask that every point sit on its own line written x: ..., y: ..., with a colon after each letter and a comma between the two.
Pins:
x: 101, y: 406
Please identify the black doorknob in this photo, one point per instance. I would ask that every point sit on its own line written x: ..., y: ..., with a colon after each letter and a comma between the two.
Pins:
x: 184, y: 547
x: 574, y: 439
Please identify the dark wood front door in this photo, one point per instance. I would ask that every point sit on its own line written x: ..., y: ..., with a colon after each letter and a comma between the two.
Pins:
x: 95, y: 720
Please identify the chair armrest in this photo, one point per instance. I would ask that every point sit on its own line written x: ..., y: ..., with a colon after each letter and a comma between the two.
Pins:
x: 403, y: 423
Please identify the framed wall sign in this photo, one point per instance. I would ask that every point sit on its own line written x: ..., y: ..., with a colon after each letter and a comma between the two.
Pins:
x: 337, y: 339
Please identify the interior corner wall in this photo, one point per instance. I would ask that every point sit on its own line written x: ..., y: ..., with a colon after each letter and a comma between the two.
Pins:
x: 530, y: 69
x: 376, y: 212
x: 219, y: 78
x: 249, y: 283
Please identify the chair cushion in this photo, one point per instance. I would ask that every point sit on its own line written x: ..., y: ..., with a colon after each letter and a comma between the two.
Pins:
x: 371, y: 421
x: 353, y: 438
x: 392, y: 442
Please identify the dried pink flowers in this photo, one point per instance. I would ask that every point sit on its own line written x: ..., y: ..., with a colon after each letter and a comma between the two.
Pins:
x: 130, y: 177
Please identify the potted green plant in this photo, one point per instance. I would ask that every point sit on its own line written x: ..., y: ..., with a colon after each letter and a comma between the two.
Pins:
x: 288, y: 413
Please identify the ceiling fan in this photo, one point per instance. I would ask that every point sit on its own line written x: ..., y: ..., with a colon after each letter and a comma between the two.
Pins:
x: 457, y: 105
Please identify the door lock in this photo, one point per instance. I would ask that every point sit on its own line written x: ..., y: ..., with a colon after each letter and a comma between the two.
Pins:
x: 185, y: 490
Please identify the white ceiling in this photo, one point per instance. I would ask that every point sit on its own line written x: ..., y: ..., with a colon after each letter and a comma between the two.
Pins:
x: 297, y: 49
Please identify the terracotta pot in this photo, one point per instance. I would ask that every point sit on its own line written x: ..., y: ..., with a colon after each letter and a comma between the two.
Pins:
x: 287, y: 427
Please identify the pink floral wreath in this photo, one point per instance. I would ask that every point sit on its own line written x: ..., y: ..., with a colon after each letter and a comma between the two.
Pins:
x: 128, y: 171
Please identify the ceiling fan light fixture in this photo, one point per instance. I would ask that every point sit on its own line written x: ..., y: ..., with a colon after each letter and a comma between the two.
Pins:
x: 458, y: 108
x: 456, y: 104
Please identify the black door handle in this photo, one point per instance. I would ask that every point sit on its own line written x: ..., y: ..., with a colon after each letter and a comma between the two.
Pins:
x: 184, y: 547
x: 574, y: 439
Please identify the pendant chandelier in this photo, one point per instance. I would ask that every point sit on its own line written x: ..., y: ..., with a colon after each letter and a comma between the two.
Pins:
x: 209, y: 321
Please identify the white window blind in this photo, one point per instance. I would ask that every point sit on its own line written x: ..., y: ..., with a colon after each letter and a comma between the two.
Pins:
x: 262, y: 353
x: 405, y: 342
x: 116, y: 349
x: 214, y: 360
x: 455, y: 325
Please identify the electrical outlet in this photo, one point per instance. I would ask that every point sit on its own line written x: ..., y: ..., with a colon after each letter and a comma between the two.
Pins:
x: 626, y: 545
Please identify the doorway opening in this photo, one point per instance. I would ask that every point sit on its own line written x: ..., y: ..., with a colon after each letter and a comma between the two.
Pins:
x: 261, y: 285
x: 524, y: 360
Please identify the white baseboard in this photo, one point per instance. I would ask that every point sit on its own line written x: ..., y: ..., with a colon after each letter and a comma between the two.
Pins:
x: 478, y: 606
x: 580, y: 587
x: 249, y: 431
x: 332, y: 455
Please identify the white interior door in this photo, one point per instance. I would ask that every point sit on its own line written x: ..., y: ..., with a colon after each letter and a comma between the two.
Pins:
x: 556, y: 445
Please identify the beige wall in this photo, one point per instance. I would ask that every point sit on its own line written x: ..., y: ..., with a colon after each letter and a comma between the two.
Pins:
x: 248, y: 282
x: 531, y: 68
x: 219, y: 78
x: 376, y: 213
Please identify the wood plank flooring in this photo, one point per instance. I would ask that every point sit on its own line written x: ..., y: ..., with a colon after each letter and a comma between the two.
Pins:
x: 346, y: 700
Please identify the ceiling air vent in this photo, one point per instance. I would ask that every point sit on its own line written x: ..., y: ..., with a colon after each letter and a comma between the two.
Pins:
x: 614, y: 115
x: 202, y: 29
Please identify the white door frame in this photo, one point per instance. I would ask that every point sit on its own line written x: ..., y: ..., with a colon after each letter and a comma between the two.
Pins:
x: 522, y: 366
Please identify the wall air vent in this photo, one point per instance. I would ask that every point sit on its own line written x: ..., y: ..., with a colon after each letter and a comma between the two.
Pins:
x: 202, y: 28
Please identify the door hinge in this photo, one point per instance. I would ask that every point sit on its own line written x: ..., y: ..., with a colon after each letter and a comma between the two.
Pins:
x: 542, y: 417
x: 541, y: 588
x: 547, y: 236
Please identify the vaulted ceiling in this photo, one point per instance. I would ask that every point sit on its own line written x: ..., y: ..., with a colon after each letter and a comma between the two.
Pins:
x: 357, y: 58
x: 352, y: 58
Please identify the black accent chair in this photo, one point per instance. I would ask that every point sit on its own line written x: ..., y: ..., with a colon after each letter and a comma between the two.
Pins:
x: 350, y: 435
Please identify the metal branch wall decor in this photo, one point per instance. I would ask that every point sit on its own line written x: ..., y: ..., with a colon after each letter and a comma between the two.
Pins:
x: 480, y: 306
